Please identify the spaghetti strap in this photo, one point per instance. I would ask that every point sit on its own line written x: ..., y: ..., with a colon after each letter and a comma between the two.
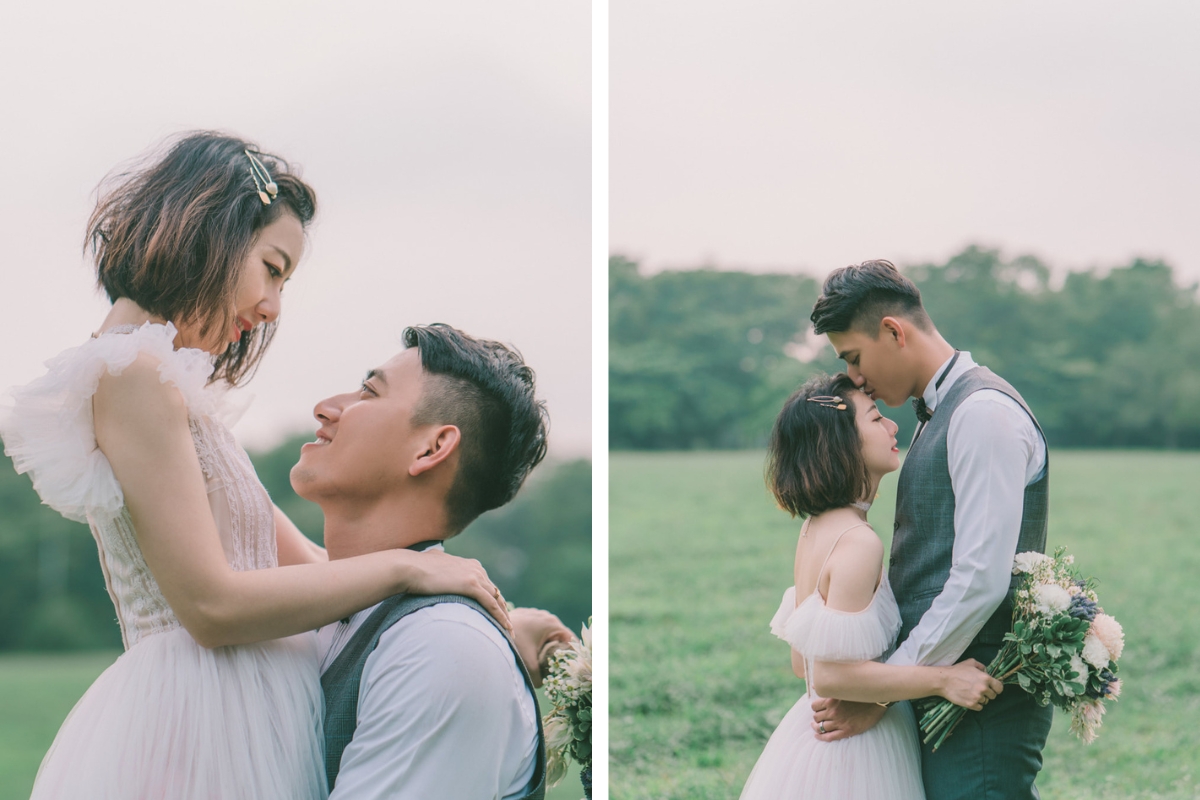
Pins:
x: 821, y: 571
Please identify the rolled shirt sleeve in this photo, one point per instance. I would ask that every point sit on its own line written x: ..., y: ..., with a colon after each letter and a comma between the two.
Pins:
x: 443, y: 712
x: 994, y: 451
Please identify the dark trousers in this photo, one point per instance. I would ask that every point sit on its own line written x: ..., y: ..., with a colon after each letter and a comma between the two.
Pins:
x: 994, y: 754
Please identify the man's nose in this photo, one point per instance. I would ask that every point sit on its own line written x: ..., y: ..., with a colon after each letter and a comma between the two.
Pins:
x: 855, y: 375
x: 330, y: 409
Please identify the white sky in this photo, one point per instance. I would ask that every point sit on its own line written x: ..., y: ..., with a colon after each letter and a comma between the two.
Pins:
x: 807, y: 136
x: 448, y: 144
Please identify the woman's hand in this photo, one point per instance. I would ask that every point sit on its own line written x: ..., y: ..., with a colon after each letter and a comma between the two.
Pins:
x: 436, y: 572
x: 967, y: 684
x: 539, y: 635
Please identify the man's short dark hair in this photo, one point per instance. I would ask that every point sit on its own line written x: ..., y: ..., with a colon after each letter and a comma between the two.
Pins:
x: 859, y: 296
x: 486, y: 390
x: 814, y: 457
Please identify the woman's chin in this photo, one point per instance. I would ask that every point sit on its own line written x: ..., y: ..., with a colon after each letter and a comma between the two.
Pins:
x: 885, y: 469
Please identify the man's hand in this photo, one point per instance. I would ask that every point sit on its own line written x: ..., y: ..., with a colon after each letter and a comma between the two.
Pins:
x: 539, y: 635
x: 841, y: 719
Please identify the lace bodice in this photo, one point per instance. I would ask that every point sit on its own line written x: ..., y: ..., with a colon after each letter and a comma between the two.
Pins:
x: 49, y: 433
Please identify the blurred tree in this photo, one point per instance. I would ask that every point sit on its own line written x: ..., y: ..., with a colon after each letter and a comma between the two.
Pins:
x: 696, y: 358
x: 538, y: 548
x: 52, y: 594
x: 702, y: 358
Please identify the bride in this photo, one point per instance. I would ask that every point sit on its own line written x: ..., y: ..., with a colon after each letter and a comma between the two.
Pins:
x: 216, y: 591
x: 829, y: 449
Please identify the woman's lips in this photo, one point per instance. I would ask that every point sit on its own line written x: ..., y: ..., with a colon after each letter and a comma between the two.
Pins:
x: 240, y: 327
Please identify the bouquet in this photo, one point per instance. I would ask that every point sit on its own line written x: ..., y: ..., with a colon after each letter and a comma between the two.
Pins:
x: 568, y: 727
x: 1063, y: 648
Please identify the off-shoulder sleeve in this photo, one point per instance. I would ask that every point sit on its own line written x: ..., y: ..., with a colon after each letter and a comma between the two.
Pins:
x: 48, y: 429
x: 825, y: 634
x: 786, y: 608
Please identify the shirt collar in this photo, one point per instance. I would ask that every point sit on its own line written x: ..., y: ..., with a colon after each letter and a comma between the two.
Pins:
x: 335, y: 635
x: 931, y: 396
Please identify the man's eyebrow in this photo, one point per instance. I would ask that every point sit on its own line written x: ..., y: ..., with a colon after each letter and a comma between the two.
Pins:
x: 287, y: 260
x: 377, y: 375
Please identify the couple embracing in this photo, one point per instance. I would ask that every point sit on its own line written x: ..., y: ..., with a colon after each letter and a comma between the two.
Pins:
x: 428, y: 680
x: 869, y: 633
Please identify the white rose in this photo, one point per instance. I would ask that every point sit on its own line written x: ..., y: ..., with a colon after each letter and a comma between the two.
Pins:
x: 1081, y: 671
x: 1025, y: 562
x: 1051, y: 598
x: 1094, y: 651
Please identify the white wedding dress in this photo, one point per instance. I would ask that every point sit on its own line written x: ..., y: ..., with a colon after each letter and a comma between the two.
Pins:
x: 884, y: 763
x: 169, y: 719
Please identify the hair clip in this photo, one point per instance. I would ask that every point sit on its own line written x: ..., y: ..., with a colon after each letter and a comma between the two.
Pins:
x: 262, y: 180
x: 828, y: 401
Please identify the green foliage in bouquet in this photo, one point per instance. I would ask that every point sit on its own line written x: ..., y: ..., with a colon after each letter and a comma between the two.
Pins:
x: 1062, y: 650
x: 1040, y: 660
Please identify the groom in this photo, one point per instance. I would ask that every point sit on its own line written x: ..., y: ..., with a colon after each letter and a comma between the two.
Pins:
x: 972, y: 493
x: 425, y: 696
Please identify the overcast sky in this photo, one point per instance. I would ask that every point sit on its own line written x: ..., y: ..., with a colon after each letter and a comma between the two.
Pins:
x: 807, y: 136
x: 448, y: 144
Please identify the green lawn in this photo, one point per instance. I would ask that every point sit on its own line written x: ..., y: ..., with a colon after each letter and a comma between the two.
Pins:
x: 37, y: 691
x: 699, y: 557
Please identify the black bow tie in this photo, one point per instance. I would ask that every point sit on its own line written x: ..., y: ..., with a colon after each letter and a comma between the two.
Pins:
x: 923, y: 412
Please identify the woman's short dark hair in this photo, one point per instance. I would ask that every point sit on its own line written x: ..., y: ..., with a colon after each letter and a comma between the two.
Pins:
x: 173, y: 236
x: 487, y: 391
x: 859, y: 296
x: 814, y: 459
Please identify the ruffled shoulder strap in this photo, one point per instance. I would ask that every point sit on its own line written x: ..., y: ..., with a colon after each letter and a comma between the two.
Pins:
x: 48, y: 429
x: 825, y: 634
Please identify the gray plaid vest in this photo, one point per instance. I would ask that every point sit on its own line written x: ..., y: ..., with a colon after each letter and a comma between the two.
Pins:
x: 923, y: 540
x: 341, y: 682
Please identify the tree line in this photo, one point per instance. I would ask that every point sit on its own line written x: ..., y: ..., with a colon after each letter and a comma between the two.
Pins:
x: 704, y: 358
x: 537, y: 549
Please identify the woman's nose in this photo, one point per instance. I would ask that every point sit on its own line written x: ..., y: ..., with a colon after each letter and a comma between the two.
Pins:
x: 269, y: 307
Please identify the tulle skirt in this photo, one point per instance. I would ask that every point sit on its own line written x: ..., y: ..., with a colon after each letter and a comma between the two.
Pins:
x: 882, y: 764
x: 171, y: 719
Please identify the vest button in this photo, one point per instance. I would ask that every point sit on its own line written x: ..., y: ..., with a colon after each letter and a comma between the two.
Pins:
x: 896, y: 525
x: 892, y: 562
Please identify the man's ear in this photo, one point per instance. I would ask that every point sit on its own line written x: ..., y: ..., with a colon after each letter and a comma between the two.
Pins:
x: 892, y: 329
x: 436, y: 448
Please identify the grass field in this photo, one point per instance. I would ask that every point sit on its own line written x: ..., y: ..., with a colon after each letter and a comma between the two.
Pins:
x: 699, y: 557
x: 37, y: 691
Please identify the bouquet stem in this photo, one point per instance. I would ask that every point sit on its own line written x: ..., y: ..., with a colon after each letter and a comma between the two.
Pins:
x: 941, y: 720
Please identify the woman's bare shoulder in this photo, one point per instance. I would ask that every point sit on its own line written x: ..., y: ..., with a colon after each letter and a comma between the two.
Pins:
x: 138, y: 398
x: 855, y: 566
